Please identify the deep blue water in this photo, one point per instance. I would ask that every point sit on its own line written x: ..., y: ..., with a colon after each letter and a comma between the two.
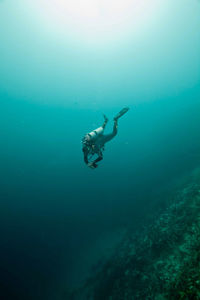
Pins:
x: 57, y: 215
x: 53, y: 208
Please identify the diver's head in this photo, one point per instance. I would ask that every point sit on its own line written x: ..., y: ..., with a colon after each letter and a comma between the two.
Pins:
x: 86, y: 140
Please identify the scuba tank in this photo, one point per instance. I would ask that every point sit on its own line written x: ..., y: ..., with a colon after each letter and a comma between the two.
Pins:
x: 92, y: 136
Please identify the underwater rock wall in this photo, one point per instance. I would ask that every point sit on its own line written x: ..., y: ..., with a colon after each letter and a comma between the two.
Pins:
x: 162, y: 260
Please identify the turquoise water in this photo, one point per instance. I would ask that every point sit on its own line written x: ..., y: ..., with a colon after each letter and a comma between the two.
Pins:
x: 57, y: 215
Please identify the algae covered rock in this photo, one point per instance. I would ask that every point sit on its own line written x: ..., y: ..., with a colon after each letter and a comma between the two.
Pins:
x: 162, y: 259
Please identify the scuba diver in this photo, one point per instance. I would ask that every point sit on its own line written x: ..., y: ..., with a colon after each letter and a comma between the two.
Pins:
x: 93, y: 142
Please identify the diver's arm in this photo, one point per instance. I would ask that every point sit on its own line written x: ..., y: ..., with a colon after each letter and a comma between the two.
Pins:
x: 99, y: 158
x: 85, y: 159
x: 85, y: 153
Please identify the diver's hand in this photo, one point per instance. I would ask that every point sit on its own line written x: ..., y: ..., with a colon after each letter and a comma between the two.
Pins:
x: 92, y: 165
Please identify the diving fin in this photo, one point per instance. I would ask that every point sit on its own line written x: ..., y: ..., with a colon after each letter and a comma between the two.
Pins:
x: 121, y: 113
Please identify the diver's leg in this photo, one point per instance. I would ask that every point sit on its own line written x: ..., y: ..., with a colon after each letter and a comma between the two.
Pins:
x: 121, y: 113
x: 115, y: 126
x: 105, y: 121
x: 100, y: 130
x: 109, y: 137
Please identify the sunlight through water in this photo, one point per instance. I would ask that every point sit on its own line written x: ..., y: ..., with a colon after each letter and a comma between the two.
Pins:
x: 95, y: 21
